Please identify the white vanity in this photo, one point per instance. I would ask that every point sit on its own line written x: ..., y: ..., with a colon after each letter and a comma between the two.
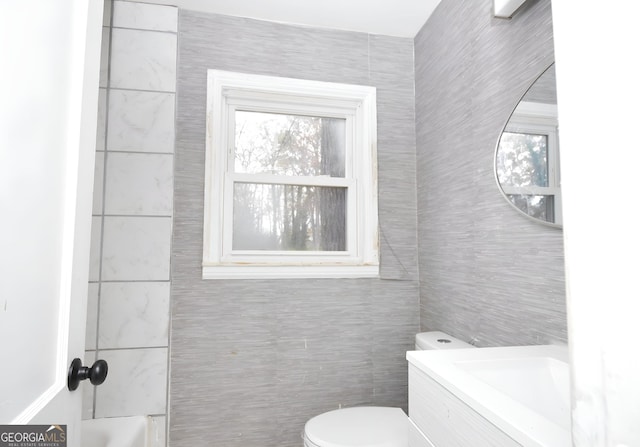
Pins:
x: 490, y: 397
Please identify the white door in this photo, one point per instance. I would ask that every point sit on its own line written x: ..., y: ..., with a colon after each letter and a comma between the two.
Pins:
x: 50, y: 54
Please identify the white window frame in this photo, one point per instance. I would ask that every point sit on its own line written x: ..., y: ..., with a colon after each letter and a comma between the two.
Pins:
x: 230, y: 91
x: 540, y: 119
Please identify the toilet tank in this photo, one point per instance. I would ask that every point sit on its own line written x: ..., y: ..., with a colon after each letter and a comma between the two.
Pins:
x: 438, y: 340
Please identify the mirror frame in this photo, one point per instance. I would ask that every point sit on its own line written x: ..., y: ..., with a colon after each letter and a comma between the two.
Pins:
x: 495, y: 156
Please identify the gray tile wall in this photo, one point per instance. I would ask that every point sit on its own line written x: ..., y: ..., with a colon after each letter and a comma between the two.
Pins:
x: 486, y: 272
x: 253, y: 360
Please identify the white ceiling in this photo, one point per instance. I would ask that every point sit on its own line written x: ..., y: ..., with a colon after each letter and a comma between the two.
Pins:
x: 402, y: 18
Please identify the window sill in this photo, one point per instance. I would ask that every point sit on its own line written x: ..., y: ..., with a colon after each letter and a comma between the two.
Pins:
x: 288, y: 271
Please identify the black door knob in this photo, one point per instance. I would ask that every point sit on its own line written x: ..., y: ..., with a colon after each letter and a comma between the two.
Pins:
x: 96, y: 374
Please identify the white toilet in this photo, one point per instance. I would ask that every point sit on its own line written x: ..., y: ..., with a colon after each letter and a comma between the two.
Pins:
x: 371, y: 426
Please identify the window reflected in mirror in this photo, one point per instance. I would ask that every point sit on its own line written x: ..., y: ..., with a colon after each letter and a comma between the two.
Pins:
x: 527, y: 158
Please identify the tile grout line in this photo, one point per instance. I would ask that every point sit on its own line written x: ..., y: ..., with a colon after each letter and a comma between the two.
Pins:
x: 158, y: 216
x: 120, y: 151
x: 174, y: 33
x: 117, y: 281
x: 129, y: 89
x: 135, y: 348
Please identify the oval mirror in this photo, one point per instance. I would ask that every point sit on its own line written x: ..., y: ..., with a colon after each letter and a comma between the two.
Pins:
x: 527, y: 162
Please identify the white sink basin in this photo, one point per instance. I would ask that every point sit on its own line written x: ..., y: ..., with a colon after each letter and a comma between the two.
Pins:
x: 523, y: 390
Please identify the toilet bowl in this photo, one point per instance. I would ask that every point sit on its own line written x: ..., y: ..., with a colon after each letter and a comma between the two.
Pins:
x: 371, y: 426
x: 358, y: 427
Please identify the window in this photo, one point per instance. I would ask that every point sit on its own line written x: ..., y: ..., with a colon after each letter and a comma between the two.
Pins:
x: 290, y: 189
x: 528, y: 165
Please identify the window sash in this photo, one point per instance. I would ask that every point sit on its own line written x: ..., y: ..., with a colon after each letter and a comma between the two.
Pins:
x: 284, y: 110
x: 228, y: 254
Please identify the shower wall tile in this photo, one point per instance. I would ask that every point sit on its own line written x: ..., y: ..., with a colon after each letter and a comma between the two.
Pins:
x: 94, y: 255
x: 98, y: 184
x: 134, y: 314
x: 104, y: 56
x: 141, y: 121
x: 137, y: 383
x: 158, y: 431
x: 88, y: 391
x: 136, y: 248
x: 128, y: 301
x: 106, y: 15
x: 102, y: 119
x: 143, y: 60
x: 92, y: 316
x: 139, y: 184
x: 145, y: 16
x: 87, y: 401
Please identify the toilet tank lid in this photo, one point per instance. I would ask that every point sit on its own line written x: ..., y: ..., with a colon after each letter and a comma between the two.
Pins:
x: 359, y: 427
x: 439, y: 340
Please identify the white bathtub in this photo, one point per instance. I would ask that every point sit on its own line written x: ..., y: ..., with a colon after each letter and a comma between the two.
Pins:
x: 116, y: 432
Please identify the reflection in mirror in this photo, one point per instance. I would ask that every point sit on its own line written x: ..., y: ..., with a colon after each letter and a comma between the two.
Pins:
x: 527, y: 158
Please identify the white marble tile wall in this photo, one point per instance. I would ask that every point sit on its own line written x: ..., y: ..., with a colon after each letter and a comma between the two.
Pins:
x: 96, y: 242
x: 104, y: 55
x: 145, y: 16
x: 158, y: 431
x: 98, y: 184
x: 143, y: 60
x: 136, y: 385
x: 102, y: 119
x: 136, y: 248
x: 134, y: 314
x: 141, y: 121
x: 139, y: 184
x: 91, y: 337
x: 128, y: 298
x: 88, y: 392
x: 106, y: 17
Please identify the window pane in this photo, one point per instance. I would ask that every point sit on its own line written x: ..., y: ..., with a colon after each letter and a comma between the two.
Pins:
x: 289, y: 217
x: 540, y: 207
x: 522, y: 160
x: 291, y: 145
